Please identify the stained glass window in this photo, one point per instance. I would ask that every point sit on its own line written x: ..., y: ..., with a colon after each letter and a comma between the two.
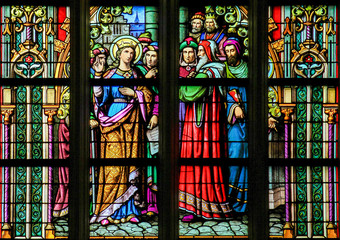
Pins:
x: 302, y: 42
x: 34, y: 126
x: 199, y: 170
x: 34, y: 122
x: 213, y: 121
x: 124, y: 121
x: 302, y: 121
x: 35, y: 42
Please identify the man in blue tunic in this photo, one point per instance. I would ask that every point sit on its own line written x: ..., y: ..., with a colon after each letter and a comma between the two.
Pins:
x: 237, y: 126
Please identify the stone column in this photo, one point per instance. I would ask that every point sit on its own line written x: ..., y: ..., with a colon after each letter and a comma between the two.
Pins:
x: 151, y: 25
x: 7, y: 111
x: 288, y: 229
x: 331, y: 110
x: 183, y: 23
x: 50, y: 229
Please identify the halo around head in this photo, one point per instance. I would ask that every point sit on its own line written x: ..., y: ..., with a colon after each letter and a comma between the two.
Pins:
x: 126, y: 41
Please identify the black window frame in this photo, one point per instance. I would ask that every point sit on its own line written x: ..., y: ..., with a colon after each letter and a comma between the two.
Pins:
x: 258, y: 214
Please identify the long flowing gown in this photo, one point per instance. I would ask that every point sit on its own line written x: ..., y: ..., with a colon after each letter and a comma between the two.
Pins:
x: 151, y: 190
x: 237, y: 148
x: 61, y: 201
x: 122, y: 123
x: 202, y: 188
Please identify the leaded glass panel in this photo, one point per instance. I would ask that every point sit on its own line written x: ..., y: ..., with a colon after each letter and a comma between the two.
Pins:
x: 124, y: 121
x: 303, y: 41
x: 303, y: 121
x: 35, y: 42
x: 213, y: 121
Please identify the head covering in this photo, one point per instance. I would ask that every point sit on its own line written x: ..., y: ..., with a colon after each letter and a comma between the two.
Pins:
x: 188, y: 42
x: 99, y: 49
x: 145, y: 37
x: 96, y: 50
x: 235, y: 42
x: 210, y: 49
x: 198, y: 15
x: 152, y: 47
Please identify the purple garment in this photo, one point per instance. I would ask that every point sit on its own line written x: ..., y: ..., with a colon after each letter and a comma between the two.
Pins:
x: 156, y: 105
x: 61, y: 201
x: 181, y: 118
x: 152, y: 201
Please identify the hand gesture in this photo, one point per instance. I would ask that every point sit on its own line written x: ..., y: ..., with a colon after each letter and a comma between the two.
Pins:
x: 151, y: 73
x: 98, y: 65
x: 239, y: 113
x: 192, y: 74
x: 272, y: 123
x: 127, y: 91
x: 94, y: 123
x: 153, y: 122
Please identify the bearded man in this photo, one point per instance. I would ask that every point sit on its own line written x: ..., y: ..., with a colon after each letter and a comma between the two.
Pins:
x: 212, y: 33
x: 188, y: 58
x: 201, y: 137
x: 236, y: 67
x: 237, y: 126
x: 208, y: 62
x: 197, y: 22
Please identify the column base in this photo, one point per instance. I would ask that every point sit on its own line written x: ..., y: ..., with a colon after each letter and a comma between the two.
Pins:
x: 288, y: 230
x: 6, y: 231
x: 331, y: 230
x: 50, y: 231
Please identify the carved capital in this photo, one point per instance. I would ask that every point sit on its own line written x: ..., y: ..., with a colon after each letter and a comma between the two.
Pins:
x: 287, y: 112
x: 331, y: 112
x: 7, y: 115
x: 50, y: 231
x: 288, y: 230
x: 50, y: 113
x: 332, y: 230
x: 6, y: 231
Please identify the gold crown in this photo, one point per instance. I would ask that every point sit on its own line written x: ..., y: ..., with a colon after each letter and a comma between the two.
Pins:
x: 126, y: 43
x: 210, y: 15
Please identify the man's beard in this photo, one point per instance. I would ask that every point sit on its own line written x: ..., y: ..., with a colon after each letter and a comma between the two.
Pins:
x: 195, y: 30
x: 202, y: 61
x: 210, y: 29
x: 232, y: 60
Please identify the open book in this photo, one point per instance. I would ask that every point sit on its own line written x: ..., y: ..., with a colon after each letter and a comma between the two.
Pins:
x: 153, y: 137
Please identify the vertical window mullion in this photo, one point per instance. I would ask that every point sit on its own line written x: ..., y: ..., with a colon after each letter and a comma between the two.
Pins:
x: 79, y: 122
x: 338, y: 130
x: 168, y: 63
x: 258, y: 146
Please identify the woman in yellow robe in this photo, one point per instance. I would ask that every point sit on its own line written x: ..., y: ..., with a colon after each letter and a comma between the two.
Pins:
x: 122, y: 113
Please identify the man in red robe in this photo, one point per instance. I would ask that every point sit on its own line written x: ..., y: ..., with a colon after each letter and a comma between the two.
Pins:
x: 201, y: 188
